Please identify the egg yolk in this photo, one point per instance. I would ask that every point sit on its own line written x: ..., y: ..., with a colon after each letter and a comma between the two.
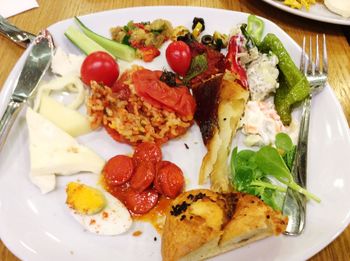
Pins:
x: 84, y: 199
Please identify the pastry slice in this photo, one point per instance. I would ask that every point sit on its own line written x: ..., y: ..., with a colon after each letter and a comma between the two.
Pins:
x: 220, y: 105
x: 202, y: 224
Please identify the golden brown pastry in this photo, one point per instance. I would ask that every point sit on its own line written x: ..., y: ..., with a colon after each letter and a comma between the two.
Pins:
x: 220, y: 105
x: 203, y: 223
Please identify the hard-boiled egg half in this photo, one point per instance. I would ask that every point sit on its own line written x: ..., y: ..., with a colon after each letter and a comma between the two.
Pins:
x: 97, y: 210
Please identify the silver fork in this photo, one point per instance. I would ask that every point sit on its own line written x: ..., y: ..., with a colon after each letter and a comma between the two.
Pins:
x: 295, y: 203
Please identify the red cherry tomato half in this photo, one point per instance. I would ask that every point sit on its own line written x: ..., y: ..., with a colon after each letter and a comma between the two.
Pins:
x: 178, y: 56
x: 143, y: 176
x: 147, y: 151
x: 169, y: 179
x: 118, y: 170
x: 100, y: 67
x: 141, y: 202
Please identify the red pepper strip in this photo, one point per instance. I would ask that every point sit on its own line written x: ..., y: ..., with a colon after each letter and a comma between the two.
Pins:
x: 149, y: 53
x: 232, y: 62
x: 139, y: 25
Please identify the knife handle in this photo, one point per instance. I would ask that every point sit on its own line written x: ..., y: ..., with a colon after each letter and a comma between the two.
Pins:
x: 22, y: 38
x: 7, y: 120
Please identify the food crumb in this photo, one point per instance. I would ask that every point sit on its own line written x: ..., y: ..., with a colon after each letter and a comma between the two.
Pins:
x: 137, y: 233
x: 105, y: 215
x: 186, y: 146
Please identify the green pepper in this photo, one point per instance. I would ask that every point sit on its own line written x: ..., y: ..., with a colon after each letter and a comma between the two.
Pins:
x: 294, y: 86
x: 255, y: 28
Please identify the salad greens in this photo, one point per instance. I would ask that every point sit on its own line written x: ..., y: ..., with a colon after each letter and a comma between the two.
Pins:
x: 198, y: 65
x: 266, y: 173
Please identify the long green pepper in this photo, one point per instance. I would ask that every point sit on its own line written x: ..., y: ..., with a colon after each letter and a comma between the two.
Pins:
x: 294, y: 86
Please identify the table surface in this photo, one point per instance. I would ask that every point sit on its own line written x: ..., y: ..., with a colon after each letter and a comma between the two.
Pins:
x: 51, y: 11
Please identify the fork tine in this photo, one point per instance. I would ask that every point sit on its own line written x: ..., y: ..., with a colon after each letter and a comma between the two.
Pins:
x: 303, y: 60
x: 317, y: 59
x: 311, y: 66
x: 325, y: 58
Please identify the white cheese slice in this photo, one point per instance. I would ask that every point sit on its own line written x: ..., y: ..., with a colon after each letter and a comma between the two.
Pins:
x: 69, y: 120
x: 341, y: 7
x: 45, y: 183
x: 66, y: 63
x: 53, y: 151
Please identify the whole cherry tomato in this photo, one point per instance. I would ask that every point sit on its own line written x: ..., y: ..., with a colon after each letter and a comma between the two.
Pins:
x: 178, y: 56
x: 100, y: 67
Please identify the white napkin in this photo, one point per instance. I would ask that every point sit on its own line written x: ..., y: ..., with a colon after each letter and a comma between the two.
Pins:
x: 12, y: 7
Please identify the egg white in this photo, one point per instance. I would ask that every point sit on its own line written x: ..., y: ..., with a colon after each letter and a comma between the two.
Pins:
x: 114, y: 219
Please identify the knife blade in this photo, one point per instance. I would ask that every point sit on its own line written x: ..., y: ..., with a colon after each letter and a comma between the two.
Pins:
x: 35, y: 66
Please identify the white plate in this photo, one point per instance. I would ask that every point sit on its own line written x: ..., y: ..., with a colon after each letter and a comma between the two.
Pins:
x: 318, y: 12
x: 39, y: 227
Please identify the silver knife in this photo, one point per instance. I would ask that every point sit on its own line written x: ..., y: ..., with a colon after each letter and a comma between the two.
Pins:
x: 20, y: 37
x: 34, y: 68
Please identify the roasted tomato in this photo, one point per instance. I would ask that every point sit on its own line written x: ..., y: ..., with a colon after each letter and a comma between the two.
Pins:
x: 149, y: 86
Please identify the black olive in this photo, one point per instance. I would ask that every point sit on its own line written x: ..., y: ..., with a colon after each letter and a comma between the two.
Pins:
x: 207, y: 39
x: 197, y: 20
x: 169, y: 78
x: 187, y: 38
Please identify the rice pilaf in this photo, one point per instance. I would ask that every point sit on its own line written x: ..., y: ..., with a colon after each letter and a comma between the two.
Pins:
x: 134, y: 119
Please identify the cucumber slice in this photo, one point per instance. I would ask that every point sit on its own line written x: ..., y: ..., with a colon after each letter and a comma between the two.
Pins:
x: 83, y: 42
x: 118, y: 50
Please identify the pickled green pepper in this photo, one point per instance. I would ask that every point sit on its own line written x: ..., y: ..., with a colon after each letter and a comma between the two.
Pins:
x: 294, y: 86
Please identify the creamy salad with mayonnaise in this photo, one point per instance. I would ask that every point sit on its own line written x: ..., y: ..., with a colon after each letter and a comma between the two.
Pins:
x: 261, y: 122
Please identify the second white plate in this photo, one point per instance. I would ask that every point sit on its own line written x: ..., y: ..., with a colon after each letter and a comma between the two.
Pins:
x: 318, y: 12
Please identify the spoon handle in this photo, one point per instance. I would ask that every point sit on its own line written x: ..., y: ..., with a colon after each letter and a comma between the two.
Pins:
x: 22, y: 38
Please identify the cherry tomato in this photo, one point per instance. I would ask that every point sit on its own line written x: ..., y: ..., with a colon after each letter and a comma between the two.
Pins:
x: 141, y: 202
x: 100, y: 67
x: 147, y: 151
x: 169, y: 179
x: 120, y: 192
x: 178, y: 56
x: 118, y: 170
x: 143, y: 176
